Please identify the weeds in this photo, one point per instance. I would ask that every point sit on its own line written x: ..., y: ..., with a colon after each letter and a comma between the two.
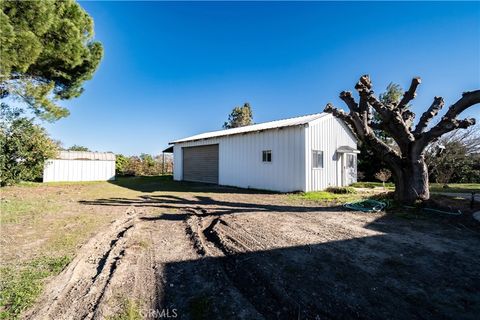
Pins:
x: 21, y: 285
x: 371, y: 185
x: 341, y: 190
x: 130, y: 311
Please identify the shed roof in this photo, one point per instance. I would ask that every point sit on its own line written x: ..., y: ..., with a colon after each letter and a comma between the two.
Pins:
x: 85, y: 155
x: 290, y: 122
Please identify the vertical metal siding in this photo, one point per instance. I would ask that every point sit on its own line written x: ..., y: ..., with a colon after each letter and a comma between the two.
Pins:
x: 240, y: 159
x: 78, y: 170
x: 326, y: 134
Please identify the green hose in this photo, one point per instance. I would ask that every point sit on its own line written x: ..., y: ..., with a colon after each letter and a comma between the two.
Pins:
x: 366, y: 205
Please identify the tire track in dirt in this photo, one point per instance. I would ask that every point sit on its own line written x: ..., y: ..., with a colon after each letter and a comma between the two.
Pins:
x: 77, y: 292
x: 231, y: 242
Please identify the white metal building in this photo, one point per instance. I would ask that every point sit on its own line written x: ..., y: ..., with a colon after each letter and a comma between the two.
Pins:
x: 305, y: 153
x: 80, y: 166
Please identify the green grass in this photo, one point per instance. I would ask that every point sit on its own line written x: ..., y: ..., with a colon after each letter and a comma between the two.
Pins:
x: 16, y: 209
x: 456, y: 187
x: 130, y: 311
x: 21, y: 285
x: 325, y: 197
x: 434, y: 187
x: 371, y: 185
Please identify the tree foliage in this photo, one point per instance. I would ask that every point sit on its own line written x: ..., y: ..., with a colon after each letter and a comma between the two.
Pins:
x: 77, y: 147
x: 47, y: 53
x: 24, y: 147
x: 143, y: 165
x: 239, y: 117
x: 406, y: 158
x: 121, y: 163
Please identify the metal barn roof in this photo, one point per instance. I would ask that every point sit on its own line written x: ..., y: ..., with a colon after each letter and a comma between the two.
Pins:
x: 256, y: 127
x: 85, y: 155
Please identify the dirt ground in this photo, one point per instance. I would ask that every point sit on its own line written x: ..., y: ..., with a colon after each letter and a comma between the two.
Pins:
x: 233, y: 254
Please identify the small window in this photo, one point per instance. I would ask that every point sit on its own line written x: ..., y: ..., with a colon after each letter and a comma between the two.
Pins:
x: 317, y: 159
x: 267, y: 155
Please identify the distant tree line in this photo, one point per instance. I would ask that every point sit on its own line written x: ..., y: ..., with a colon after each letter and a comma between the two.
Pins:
x: 144, y: 165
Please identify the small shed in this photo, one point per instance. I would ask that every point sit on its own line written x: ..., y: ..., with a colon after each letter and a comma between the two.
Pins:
x: 306, y: 153
x: 80, y: 166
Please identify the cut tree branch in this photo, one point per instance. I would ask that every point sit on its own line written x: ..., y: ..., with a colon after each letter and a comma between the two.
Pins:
x: 346, y: 96
x: 428, y: 115
x: 467, y: 100
x: 342, y: 115
x: 410, y: 94
x: 449, y: 121
x: 365, y: 133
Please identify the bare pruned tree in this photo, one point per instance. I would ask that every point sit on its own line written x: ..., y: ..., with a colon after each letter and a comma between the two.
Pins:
x: 407, y: 159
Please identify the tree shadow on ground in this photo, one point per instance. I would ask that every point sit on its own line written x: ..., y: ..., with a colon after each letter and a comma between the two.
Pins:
x: 149, y: 184
x: 411, y: 270
x: 201, y: 205
x: 375, y: 277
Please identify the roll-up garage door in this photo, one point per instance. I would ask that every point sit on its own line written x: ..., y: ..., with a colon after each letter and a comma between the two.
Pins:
x: 201, y: 163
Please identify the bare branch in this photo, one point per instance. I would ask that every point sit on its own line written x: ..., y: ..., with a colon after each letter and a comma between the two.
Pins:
x: 467, y: 100
x: 346, y: 96
x: 410, y: 94
x: 364, y: 83
x: 428, y: 115
x: 342, y: 115
x: 449, y: 121
x: 365, y: 133
x: 446, y: 125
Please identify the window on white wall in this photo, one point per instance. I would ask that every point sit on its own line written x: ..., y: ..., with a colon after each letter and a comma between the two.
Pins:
x: 317, y: 159
x: 267, y: 155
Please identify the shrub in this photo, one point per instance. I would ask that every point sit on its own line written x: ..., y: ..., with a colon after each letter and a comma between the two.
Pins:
x: 341, y: 190
x: 369, y: 185
x: 24, y: 148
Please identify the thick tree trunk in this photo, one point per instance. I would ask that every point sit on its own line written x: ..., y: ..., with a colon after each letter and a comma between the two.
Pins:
x: 411, y: 181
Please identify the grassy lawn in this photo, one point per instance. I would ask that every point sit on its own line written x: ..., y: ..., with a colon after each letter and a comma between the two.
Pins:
x: 434, y: 187
x: 456, y: 187
x: 326, y: 197
x: 372, y: 185
x: 335, y: 196
x: 361, y: 191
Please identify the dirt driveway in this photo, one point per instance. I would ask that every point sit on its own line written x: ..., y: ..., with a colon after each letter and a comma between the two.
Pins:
x: 231, y: 254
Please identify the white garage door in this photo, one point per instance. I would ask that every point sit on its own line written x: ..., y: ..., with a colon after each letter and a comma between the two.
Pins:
x: 200, y: 164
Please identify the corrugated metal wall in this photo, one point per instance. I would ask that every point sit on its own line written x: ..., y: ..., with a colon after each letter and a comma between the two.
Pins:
x: 327, y: 135
x: 240, y: 159
x: 78, y: 170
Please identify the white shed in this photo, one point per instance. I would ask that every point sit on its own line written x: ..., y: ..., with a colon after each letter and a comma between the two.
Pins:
x: 307, y: 153
x: 80, y: 166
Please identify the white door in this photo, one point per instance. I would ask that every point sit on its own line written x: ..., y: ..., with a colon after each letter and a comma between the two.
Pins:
x: 349, y: 168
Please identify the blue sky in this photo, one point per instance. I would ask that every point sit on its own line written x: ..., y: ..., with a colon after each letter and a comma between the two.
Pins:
x: 172, y: 70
